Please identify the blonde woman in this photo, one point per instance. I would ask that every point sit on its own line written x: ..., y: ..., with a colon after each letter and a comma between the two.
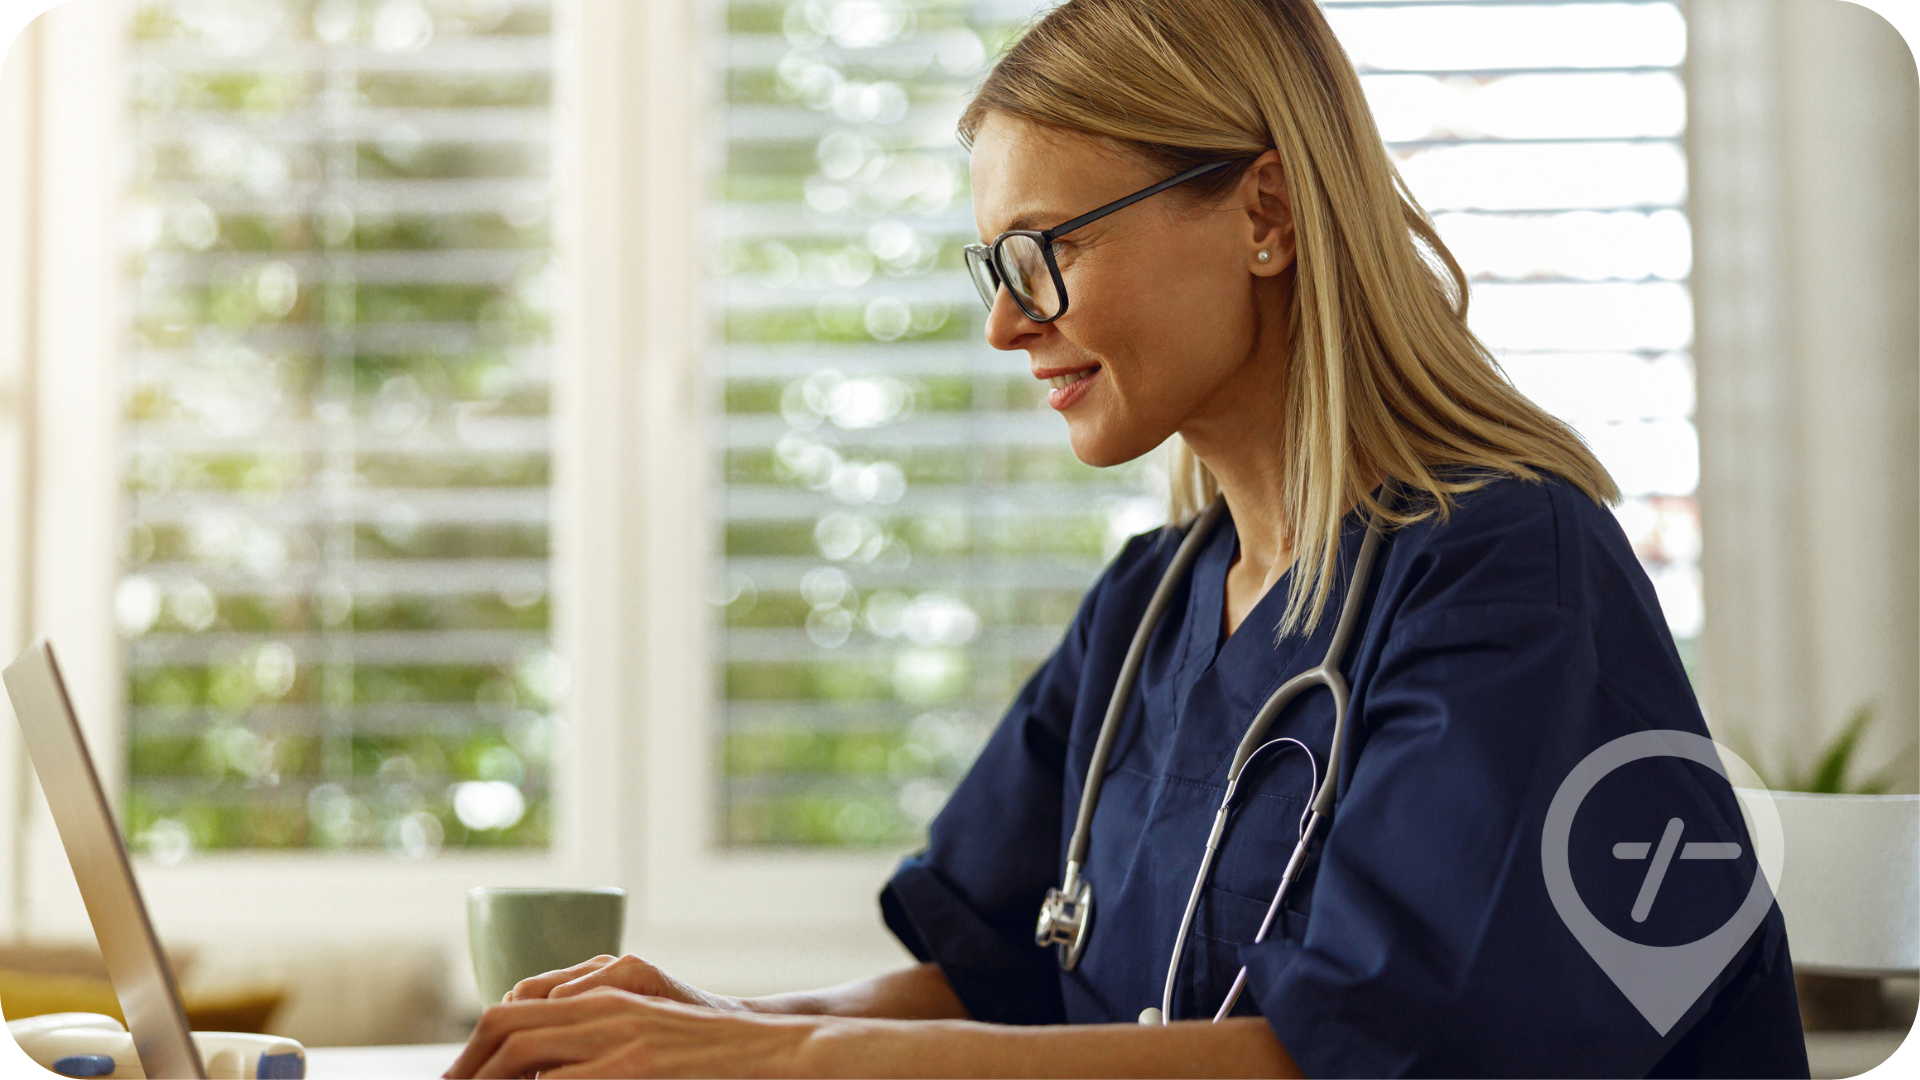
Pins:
x: 1191, y: 228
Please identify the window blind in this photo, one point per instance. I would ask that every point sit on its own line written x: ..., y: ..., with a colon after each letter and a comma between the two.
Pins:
x: 334, y: 601
x: 903, y: 531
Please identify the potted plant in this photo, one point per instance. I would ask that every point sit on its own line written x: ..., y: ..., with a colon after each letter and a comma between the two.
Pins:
x: 1829, y: 1001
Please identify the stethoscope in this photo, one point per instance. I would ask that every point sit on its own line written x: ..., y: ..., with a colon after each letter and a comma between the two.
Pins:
x: 1067, y: 912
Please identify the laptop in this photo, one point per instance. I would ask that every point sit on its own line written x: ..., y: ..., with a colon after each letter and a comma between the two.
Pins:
x: 142, y: 978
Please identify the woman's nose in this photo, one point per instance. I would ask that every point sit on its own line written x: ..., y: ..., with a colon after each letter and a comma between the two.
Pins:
x: 1008, y: 327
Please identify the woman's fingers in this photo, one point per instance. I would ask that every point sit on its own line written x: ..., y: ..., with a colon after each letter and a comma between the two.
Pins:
x: 629, y: 973
x: 540, y: 986
x: 613, y: 1064
x: 539, y: 1050
x: 500, y: 1022
x: 525, y: 1053
x: 611, y: 1033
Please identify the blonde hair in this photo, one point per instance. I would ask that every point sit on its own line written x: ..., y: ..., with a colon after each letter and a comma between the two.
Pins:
x: 1386, y: 380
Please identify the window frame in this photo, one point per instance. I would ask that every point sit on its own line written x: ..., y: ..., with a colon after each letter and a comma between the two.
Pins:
x: 636, y: 802
x: 71, y: 484
x: 753, y: 918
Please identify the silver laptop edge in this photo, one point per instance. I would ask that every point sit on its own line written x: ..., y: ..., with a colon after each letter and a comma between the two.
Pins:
x: 141, y: 975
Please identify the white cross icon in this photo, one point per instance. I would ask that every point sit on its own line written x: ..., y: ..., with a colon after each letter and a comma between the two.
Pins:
x: 1664, y: 856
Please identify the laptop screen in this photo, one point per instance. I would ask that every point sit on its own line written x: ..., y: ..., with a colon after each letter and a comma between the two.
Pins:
x: 141, y: 975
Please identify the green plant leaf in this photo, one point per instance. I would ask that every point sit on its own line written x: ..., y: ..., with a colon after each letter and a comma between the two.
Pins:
x: 1830, y: 773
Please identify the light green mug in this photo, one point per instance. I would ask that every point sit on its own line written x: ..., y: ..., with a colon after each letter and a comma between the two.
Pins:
x: 516, y: 934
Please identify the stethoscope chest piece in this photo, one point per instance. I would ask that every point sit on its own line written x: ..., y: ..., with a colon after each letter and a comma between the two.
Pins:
x: 1064, y: 919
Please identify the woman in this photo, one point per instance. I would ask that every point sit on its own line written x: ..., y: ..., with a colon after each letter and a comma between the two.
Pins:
x: 1291, y: 316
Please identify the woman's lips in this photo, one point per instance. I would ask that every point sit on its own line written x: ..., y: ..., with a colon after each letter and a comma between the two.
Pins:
x: 1069, y: 388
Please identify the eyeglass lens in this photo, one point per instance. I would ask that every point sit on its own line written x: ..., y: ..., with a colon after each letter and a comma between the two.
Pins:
x: 1023, y: 266
x: 982, y: 274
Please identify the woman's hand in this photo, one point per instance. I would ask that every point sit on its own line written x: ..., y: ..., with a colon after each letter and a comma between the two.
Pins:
x: 606, y: 1032
x: 609, y: 1032
x: 629, y: 973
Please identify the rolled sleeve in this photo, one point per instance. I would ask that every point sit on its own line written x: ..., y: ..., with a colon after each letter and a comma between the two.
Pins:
x: 999, y: 980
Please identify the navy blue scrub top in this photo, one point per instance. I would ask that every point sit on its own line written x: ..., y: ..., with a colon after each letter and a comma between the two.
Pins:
x: 1498, y: 648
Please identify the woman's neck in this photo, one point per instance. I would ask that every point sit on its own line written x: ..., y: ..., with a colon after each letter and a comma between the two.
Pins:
x: 1246, y: 451
x: 1248, y: 458
x: 1264, y: 556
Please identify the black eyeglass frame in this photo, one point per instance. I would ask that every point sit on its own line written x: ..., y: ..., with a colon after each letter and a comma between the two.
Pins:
x: 987, y: 256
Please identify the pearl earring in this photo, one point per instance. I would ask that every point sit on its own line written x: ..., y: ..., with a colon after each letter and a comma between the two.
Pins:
x: 1264, y: 255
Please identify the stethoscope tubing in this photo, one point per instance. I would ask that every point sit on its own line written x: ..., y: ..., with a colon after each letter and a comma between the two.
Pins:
x: 1214, y: 839
x: 1320, y: 807
x: 1123, y: 687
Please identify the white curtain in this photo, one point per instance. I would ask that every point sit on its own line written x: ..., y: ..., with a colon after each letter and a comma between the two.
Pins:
x: 1806, y: 213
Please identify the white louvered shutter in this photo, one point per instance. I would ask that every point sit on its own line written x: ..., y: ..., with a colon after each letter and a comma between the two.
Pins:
x: 334, y: 600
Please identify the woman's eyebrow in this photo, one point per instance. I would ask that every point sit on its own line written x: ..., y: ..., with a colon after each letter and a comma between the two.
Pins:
x: 1033, y: 220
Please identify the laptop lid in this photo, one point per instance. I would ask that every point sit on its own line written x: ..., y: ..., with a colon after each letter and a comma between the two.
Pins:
x: 141, y: 975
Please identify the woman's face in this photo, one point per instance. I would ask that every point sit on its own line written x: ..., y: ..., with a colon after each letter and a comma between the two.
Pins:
x: 1173, y: 324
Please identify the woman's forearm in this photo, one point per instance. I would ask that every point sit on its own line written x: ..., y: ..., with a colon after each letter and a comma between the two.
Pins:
x: 946, y: 1043
x: 1242, y: 1046
x: 916, y: 993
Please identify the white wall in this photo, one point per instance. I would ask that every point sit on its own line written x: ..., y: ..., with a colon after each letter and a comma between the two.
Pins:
x: 1804, y: 132
x: 18, y: 133
x: 60, y: 401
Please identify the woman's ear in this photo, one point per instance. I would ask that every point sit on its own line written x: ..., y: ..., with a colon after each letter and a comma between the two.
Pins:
x: 1269, y: 211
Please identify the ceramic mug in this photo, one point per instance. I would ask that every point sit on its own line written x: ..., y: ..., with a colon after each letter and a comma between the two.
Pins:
x: 516, y: 934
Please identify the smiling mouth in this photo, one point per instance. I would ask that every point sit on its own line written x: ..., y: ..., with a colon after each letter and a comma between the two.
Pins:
x: 1061, y: 382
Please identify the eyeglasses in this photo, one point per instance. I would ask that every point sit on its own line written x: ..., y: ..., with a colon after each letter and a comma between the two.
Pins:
x: 1022, y: 259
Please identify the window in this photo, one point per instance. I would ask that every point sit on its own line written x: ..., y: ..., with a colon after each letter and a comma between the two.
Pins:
x: 903, y: 529
x: 335, y: 604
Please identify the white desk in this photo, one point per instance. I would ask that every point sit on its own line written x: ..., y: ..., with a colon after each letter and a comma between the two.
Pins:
x: 380, y: 1062
x: 1831, y: 1053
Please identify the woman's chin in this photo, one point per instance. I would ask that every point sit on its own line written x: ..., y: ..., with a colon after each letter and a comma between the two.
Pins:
x: 1100, y: 446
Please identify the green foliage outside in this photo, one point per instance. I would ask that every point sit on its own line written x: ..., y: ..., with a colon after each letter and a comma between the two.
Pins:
x: 335, y: 543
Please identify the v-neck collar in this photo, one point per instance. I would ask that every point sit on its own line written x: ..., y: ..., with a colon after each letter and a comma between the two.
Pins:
x: 1245, y: 669
x: 1209, y: 612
